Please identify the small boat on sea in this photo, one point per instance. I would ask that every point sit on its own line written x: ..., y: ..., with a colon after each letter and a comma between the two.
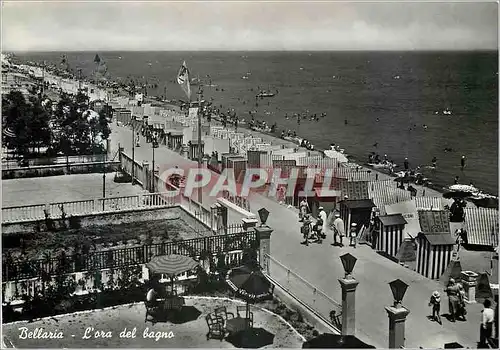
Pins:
x: 263, y: 94
x: 383, y: 165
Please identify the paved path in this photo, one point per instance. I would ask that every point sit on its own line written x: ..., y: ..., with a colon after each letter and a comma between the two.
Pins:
x: 320, y: 265
x: 63, y: 188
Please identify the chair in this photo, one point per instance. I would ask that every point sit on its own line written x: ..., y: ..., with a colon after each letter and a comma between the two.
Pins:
x: 152, y: 309
x: 216, y: 328
x: 248, y: 316
x: 222, y: 312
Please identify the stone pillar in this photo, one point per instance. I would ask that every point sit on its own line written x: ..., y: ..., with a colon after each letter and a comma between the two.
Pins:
x: 348, y: 286
x: 145, y: 273
x: 264, y: 239
x: 249, y: 223
x: 469, y: 281
x: 397, y: 317
x: 145, y: 175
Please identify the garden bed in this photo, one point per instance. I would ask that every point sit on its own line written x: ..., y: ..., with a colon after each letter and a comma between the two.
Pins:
x: 129, y: 289
x: 38, y: 245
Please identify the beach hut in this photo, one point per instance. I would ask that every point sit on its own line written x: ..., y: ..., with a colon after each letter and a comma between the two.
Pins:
x: 195, y: 149
x: 434, y: 221
x: 385, y: 193
x: 391, y: 233
x: 434, y: 253
x: 356, y: 211
x: 481, y: 226
x: 353, y: 189
x: 174, y: 138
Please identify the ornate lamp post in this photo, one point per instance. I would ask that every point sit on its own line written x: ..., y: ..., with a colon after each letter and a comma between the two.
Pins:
x: 397, y: 315
x: 348, y: 262
x: 154, y: 144
x: 348, y: 285
x: 263, y: 215
x: 398, y: 289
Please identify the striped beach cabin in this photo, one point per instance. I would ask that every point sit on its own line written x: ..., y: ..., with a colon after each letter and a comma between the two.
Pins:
x: 481, y: 225
x: 434, y: 253
x: 390, y: 236
x: 356, y: 211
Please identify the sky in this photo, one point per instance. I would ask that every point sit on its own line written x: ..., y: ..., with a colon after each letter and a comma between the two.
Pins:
x: 239, y: 25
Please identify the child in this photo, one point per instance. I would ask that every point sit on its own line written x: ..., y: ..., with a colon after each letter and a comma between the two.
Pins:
x: 435, y: 302
x: 353, y: 234
x: 306, y: 229
x: 317, y: 230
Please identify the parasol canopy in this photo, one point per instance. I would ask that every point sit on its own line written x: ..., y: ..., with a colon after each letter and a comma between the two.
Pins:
x: 457, y: 194
x: 250, y: 283
x: 171, y: 264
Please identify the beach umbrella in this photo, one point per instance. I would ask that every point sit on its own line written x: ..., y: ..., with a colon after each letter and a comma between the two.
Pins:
x: 249, y: 283
x: 457, y: 194
x: 251, y: 338
x: 335, y: 341
x: 171, y: 265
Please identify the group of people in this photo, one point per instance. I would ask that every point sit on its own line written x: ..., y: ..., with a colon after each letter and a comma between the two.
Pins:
x: 316, y: 232
x: 457, y: 311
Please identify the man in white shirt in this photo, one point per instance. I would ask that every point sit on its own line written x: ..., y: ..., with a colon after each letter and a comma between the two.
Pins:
x: 338, y: 230
x: 323, y: 216
x: 486, y: 324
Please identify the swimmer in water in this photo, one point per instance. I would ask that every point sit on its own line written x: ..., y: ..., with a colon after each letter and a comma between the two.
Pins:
x: 425, y: 127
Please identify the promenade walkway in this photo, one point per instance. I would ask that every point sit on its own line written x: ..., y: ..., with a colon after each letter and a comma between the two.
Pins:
x: 320, y: 265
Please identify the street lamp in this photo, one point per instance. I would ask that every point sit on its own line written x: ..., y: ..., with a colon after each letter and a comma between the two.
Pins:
x: 154, y: 144
x: 398, y: 289
x: 348, y: 262
x: 263, y: 215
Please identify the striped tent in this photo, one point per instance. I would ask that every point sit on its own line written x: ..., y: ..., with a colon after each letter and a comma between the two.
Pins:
x: 391, y: 234
x: 431, y: 203
x: 434, y: 253
x: 385, y: 193
x: 171, y: 265
x: 481, y: 225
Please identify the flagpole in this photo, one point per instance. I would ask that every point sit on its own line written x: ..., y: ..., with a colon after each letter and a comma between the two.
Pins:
x: 200, y: 192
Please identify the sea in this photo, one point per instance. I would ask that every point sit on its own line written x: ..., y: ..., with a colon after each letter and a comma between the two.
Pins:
x: 384, y: 102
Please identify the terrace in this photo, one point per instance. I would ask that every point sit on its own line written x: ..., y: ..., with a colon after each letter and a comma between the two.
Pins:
x: 187, y: 332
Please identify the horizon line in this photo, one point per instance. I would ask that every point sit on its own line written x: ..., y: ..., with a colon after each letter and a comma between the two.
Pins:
x: 246, y: 50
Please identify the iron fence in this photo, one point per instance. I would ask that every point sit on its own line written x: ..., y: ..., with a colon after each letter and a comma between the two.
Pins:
x: 317, y: 300
x: 116, y: 258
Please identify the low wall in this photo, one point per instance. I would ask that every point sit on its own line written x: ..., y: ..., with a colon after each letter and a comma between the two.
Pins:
x: 100, y: 219
x: 59, y: 169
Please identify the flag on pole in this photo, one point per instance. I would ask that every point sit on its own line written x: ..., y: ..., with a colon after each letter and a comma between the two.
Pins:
x: 183, y: 80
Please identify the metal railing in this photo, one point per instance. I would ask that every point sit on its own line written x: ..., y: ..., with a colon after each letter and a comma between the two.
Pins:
x: 117, y: 258
x: 308, y: 294
x: 90, y: 206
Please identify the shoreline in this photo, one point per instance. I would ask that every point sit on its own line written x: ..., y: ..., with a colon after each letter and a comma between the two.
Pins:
x: 273, y: 139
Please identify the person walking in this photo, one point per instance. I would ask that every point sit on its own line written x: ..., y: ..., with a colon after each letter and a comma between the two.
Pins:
x: 434, y: 161
x: 435, y: 302
x: 353, y: 234
x: 338, y: 230
x: 462, y: 311
x: 486, y: 329
x: 462, y: 163
x: 322, y: 215
x: 406, y: 164
x: 303, y: 209
x: 306, y: 229
x: 452, y: 292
